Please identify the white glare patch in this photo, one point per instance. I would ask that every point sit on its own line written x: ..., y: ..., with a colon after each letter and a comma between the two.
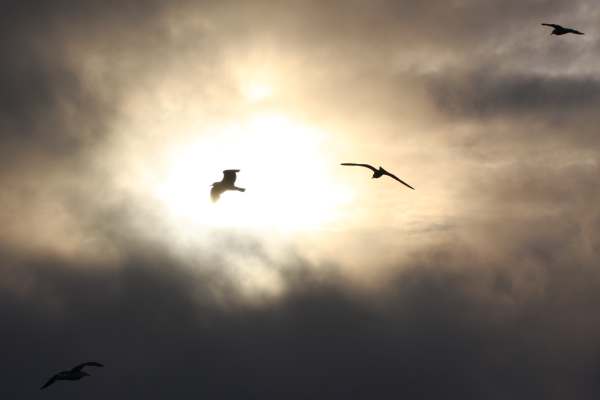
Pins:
x: 288, y: 178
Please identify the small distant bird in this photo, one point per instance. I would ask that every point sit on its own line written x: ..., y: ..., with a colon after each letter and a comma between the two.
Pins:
x: 378, y: 173
x: 227, y: 183
x: 560, y: 30
x: 74, y: 374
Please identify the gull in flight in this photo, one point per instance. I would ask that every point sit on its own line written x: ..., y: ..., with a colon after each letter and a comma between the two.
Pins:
x: 378, y: 173
x: 561, y: 30
x: 74, y: 374
x: 227, y: 183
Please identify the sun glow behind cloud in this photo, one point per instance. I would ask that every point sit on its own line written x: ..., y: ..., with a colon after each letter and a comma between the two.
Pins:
x: 257, y: 91
x: 254, y: 117
x: 283, y: 166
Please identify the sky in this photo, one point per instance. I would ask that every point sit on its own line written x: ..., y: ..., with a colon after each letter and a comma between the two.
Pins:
x: 317, y: 282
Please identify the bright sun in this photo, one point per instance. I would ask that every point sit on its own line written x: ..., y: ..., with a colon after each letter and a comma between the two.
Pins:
x: 288, y: 177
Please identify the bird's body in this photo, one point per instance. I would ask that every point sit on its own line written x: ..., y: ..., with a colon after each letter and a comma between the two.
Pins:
x: 74, y: 374
x: 379, y: 172
x: 561, y: 30
x: 70, y: 375
x: 227, y: 183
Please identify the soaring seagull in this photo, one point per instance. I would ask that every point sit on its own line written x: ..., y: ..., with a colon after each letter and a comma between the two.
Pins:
x: 561, y: 30
x: 378, y: 173
x: 227, y: 183
x: 74, y: 374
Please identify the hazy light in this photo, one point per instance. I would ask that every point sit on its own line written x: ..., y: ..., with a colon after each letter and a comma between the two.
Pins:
x: 257, y: 91
x: 283, y: 167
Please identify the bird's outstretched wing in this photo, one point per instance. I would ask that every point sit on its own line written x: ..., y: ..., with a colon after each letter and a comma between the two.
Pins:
x: 229, y: 176
x: 396, y: 178
x: 372, y: 168
x: 553, y: 25
x: 86, y: 364
x: 50, y: 382
x: 575, y: 31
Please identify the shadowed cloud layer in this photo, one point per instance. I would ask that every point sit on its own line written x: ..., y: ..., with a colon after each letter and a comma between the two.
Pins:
x: 470, y: 323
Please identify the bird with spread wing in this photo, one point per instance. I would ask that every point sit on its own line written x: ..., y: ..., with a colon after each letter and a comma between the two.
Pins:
x: 378, y: 173
x: 74, y: 374
x: 561, y: 30
x: 227, y: 183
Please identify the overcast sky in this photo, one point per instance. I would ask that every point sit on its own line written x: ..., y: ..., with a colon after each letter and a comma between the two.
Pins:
x: 317, y: 282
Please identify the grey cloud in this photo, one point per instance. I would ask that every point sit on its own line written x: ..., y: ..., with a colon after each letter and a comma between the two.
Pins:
x: 454, y: 324
x: 485, y: 93
x: 47, y: 107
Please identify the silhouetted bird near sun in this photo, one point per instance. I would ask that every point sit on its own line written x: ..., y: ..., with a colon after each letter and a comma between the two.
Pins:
x: 378, y: 173
x: 227, y: 183
x: 74, y: 374
x: 560, y: 30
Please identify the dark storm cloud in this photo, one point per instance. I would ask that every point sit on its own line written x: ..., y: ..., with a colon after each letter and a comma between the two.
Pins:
x: 467, y: 326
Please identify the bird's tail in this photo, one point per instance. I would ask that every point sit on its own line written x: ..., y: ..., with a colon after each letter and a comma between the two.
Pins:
x: 239, y: 189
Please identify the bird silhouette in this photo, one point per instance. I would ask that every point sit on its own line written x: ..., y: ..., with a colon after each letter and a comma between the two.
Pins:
x: 378, y: 173
x: 74, y: 374
x: 227, y: 183
x: 561, y: 30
